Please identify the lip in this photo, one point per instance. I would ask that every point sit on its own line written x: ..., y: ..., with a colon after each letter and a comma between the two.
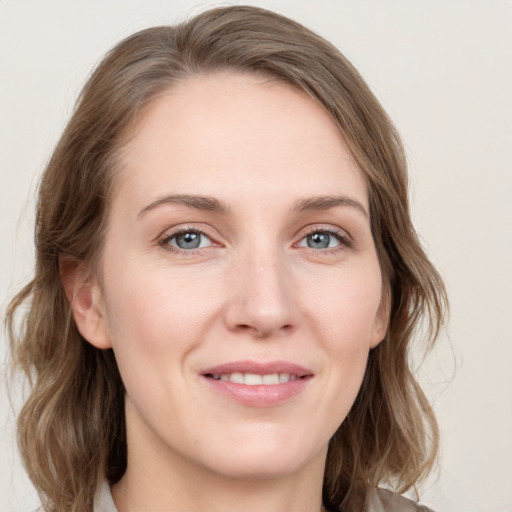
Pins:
x: 265, y: 395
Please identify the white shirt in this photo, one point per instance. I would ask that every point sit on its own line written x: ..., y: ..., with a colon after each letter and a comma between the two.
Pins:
x: 104, y: 501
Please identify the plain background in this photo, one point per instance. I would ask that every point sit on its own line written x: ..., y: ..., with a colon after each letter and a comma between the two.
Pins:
x: 443, y: 70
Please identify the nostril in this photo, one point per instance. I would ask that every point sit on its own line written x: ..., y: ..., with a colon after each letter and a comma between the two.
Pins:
x: 263, y: 332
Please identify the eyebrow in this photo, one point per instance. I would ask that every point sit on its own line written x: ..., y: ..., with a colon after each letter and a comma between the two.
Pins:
x: 205, y: 203
x: 212, y: 204
x: 328, y: 202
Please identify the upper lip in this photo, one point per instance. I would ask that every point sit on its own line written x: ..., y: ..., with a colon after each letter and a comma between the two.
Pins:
x: 258, y: 368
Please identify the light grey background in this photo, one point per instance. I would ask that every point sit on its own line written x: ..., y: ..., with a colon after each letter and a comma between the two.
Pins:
x: 443, y: 70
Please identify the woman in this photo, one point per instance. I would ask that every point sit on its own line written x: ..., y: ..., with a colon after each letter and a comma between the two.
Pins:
x: 227, y: 284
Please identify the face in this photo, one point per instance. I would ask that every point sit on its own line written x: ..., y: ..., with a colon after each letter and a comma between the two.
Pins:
x: 240, y: 289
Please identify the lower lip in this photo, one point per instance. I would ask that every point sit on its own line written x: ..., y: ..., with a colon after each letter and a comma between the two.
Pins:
x: 259, y: 395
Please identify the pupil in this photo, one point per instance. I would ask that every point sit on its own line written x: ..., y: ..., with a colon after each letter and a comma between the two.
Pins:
x: 318, y: 241
x: 188, y: 240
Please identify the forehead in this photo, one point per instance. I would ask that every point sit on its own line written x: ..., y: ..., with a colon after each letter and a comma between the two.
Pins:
x: 234, y: 132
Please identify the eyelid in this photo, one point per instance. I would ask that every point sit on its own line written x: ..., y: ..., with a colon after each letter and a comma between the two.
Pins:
x: 342, y: 235
x: 171, y: 233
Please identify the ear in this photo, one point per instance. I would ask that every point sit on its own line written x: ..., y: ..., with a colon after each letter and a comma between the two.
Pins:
x: 86, y: 298
x: 381, y: 322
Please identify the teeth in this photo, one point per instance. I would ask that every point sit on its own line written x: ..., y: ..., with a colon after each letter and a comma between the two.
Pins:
x: 273, y: 378
x: 252, y: 379
x: 237, y: 378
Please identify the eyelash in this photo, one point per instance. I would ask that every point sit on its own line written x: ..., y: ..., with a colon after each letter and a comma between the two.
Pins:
x: 342, y: 237
x: 164, y: 242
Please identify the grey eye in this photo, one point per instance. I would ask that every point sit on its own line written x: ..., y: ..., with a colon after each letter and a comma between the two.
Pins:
x: 188, y: 240
x: 320, y: 240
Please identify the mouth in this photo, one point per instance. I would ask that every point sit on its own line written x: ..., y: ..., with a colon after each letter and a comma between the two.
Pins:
x: 258, y: 384
x: 254, y: 379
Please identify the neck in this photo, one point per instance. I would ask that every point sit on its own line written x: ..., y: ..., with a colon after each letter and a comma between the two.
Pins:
x: 133, y: 494
x: 161, y: 480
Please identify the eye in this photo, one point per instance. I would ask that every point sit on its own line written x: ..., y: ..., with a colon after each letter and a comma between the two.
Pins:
x: 187, y: 240
x: 322, y: 239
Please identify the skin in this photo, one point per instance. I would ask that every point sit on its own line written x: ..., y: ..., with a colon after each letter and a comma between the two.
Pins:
x: 255, y: 289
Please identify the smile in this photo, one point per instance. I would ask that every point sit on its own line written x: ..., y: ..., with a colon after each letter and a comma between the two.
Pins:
x: 256, y: 384
x: 254, y: 379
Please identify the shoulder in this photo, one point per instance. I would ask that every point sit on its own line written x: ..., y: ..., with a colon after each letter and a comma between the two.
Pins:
x: 382, y: 500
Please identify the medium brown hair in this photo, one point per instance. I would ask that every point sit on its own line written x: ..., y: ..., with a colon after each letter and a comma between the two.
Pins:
x: 71, y: 429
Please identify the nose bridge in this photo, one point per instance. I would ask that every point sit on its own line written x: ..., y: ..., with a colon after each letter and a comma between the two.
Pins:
x: 263, y: 300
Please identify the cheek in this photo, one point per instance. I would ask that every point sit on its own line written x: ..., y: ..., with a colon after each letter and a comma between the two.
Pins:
x: 345, y: 318
x: 155, y: 311
x: 154, y: 323
x: 346, y: 310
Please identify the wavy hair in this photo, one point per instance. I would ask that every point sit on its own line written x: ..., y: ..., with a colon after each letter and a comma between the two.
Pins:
x: 71, y: 430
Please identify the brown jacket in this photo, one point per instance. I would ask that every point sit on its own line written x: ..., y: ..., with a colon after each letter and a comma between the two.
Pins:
x: 382, y: 500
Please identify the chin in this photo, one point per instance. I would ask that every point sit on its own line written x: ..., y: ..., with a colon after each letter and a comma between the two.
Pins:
x: 262, y: 468
x: 265, y: 457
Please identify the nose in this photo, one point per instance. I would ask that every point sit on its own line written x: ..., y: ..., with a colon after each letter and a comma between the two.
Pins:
x: 261, y: 297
